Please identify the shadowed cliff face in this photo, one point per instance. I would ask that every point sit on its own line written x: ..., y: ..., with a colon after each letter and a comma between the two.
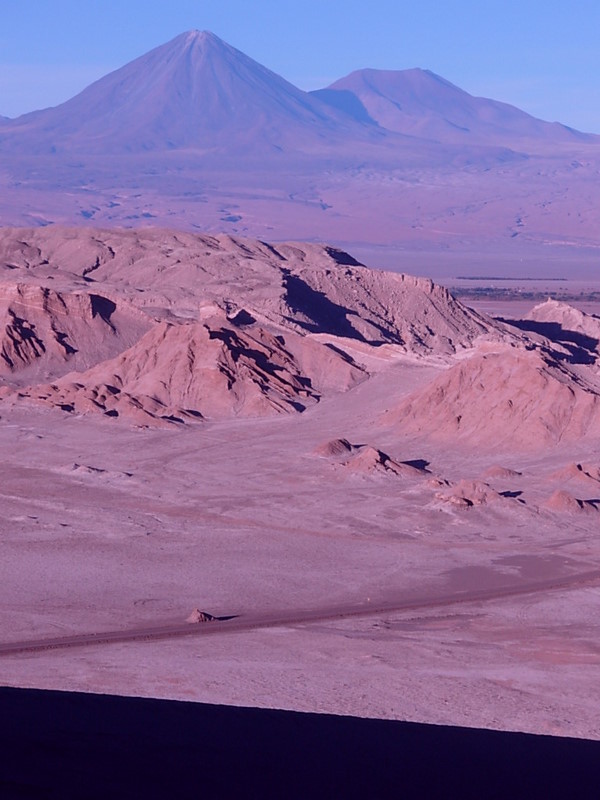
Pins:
x: 315, y: 311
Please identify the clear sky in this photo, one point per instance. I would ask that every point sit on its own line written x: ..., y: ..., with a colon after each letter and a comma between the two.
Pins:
x: 540, y: 55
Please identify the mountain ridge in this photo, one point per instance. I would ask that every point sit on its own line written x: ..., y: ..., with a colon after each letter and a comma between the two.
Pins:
x: 420, y: 102
x: 194, y: 91
x: 195, y: 87
x: 197, y: 136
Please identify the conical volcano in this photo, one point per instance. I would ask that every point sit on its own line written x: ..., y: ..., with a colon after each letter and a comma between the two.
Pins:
x: 195, y: 91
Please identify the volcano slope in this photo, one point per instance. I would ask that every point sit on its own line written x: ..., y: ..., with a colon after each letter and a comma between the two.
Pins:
x: 274, y: 431
x: 197, y: 135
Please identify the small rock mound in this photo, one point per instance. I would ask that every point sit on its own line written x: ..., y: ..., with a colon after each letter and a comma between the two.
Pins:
x: 84, y: 469
x: 466, y: 494
x: 200, y: 616
x: 367, y: 459
x: 438, y: 483
x: 582, y: 473
x: 456, y: 500
x: 561, y: 500
x: 87, y: 471
x: 336, y: 448
x: 591, y: 470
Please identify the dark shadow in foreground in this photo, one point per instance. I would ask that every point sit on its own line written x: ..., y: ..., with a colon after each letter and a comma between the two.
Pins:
x: 68, y: 745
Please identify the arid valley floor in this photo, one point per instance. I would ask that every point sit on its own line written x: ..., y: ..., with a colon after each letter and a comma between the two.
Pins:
x: 395, y: 497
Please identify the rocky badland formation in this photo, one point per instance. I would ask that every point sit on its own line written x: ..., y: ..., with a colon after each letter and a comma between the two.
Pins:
x: 173, y: 328
x: 276, y: 432
x: 394, y: 495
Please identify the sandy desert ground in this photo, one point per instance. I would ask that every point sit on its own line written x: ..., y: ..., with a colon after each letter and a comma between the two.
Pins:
x: 407, y: 488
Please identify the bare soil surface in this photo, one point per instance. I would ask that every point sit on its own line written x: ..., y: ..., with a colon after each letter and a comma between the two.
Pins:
x: 405, y: 575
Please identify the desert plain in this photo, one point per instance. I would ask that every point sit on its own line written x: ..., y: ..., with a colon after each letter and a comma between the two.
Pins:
x: 389, y: 498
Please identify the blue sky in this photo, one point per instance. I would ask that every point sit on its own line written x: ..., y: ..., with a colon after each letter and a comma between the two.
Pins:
x: 541, y: 56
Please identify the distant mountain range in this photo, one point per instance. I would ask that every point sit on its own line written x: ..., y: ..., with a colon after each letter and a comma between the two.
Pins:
x: 197, y: 135
x: 420, y: 103
x: 193, y: 92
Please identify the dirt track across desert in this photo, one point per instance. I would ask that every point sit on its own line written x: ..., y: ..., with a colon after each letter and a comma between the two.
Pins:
x: 245, y: 623
x: 276, y: 433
